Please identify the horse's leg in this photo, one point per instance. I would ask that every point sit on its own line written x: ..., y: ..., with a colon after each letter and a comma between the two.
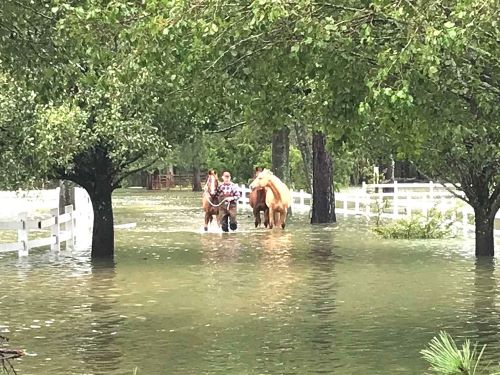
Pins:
x: 284, y: 218
x: 266, y: 217
x: 277, y: 219
x: 256, y: 215
x: 217, y: 217
x: 208, y: 218
x: 271, y: 218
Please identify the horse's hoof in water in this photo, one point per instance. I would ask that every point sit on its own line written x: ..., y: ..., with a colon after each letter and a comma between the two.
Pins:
x: 233, y: 226
x: 283, y: 226
x: 205, y: 228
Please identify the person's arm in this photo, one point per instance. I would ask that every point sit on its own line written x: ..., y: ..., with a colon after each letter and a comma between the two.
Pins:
x: 236, y: 192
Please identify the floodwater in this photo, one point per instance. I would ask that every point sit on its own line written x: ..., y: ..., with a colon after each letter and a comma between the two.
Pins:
x: 326, y: 299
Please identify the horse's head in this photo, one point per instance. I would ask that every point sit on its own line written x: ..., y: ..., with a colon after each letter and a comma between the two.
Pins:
x: 212, y: 184
x: 262, y: 179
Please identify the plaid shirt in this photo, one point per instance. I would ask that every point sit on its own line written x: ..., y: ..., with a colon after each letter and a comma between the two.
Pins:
x: 228, y: 190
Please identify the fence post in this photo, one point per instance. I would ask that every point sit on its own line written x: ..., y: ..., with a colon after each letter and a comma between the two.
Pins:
x: 55, y: 230
x: 22, y: 234
x: 345, y: 206
x: 395, y: 202
x: 301, y: 197
x: 408, y: 205
x: 363, y: 187
x: 70, y: 227
x: 431, y: 191
x: 356, y: 204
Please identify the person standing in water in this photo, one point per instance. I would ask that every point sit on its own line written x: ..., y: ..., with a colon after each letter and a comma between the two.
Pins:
x: 230, y: 193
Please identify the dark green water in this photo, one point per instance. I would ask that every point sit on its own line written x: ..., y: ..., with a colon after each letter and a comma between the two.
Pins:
x: 311, y: 300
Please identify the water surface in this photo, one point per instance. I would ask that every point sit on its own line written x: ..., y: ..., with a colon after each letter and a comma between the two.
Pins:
x: 327, y: 299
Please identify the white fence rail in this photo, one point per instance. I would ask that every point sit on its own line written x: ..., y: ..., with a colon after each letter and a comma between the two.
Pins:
x: 35, y: 213
x: 301, y: 201
x: 392, y: 201
x: 62, y: 230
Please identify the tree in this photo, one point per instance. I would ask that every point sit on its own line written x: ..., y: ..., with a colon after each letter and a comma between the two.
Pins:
x: 103, y: 103
x: 436, y: 94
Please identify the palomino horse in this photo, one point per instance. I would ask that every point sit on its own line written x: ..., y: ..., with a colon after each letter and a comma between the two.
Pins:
x: 278, y: 196
x: 210, y: 200
x: 257, y: 200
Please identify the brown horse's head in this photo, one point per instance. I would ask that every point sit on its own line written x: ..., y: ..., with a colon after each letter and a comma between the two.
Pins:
x: 261, y: 180
x: 212, y: 183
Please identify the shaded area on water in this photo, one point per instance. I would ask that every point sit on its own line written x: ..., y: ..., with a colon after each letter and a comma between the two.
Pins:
x: 312, y: 299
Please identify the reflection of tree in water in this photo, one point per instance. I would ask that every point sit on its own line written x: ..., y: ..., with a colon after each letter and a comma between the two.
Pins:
x: 486, y: 314
x: 322, y: 288
x: 97, y: 340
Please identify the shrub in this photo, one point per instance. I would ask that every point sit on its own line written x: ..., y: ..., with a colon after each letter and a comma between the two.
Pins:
x: 433, y: 225
x: 445, y: 358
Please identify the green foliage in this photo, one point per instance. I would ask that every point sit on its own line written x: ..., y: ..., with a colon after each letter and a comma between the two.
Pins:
x: 432, y: 225
x: 298, y: 177
x: 447, y: 359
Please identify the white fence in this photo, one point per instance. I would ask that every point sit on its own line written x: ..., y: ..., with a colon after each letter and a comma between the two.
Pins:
x: 301, y: 201
x: 392, y: 201
x: 36, y: 212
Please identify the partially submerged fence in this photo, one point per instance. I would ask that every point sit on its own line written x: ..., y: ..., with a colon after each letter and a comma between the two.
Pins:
x: 61, y: 226
x: 392, y: 201
x: 33, y: 219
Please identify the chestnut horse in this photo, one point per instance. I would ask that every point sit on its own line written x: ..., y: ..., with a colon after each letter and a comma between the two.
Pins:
x: 278, y: 197
x: 210, y: 200
x: 257, y: 200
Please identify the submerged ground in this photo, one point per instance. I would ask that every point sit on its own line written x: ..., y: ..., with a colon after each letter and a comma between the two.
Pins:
x: 310, y: 300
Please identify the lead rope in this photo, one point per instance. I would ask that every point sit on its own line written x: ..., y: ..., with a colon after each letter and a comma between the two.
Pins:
x: 220, y: 203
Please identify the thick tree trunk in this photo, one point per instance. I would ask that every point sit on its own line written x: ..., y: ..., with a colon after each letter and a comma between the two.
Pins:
x: 196, y: 179
x: 95, y: 173
x: 280, y: 154
x: 323, y: 210
x: 304, y: 145
x: 103, y: 236
x: 485, y: 241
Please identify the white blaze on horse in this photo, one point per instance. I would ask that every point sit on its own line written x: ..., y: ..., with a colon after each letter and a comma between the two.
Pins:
x: 278, y: 197
x: 210, y: 200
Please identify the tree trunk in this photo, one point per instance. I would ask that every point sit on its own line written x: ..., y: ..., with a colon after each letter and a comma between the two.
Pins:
x: 485, y: 241
x: 323, y: 210
x: 103, y: 235
x: 304, y: 145
x: 280, y: 154
x: 95, y: 173
x: 196, y: 178
x: 66, y: 194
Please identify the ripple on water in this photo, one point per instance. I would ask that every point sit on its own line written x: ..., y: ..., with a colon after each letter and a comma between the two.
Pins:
x: 312, y: 299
